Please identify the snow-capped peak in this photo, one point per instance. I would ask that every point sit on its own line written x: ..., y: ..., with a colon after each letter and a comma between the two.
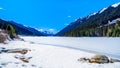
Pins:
x: 103, y: 10
x: 115, y: 5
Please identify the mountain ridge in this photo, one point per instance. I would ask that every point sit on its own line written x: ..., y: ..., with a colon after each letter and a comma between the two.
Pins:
x: 21, y: 29
x: 94, y: 20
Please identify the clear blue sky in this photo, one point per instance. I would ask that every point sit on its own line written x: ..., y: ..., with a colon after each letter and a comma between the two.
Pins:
x: 49, y: 14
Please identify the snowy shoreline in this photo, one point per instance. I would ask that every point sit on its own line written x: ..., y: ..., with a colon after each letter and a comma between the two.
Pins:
x: 46, y: 56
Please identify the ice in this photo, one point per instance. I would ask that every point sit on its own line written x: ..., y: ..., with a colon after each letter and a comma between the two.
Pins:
x: 102, y: 45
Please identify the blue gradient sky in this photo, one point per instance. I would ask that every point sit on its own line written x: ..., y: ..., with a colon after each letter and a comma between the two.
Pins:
x: 51, y: 15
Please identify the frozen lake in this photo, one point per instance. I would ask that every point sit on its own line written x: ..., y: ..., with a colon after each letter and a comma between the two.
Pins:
x: 58, y: 52
x: 99, y: 45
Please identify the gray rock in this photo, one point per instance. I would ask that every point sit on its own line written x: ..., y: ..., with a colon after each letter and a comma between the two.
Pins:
x: 3, y: 37
x: 114, y: 60
x: 84, y: 59
x: 99, y: 59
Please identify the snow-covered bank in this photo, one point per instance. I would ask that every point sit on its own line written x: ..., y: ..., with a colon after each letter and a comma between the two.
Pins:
x: 102, y: 45
x: 47, y: 56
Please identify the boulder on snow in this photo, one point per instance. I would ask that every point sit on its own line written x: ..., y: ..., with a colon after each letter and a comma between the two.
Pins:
x: 23, y: 58
x: 99, y: 59
x: 22, y: 51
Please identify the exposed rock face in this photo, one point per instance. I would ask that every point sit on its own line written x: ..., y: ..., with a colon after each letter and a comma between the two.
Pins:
x: 99, y: 59
x: 3, y: 36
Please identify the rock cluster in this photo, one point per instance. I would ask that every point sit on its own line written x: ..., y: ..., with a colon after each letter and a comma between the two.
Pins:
x: 99, y: 59
x: 21, y: 56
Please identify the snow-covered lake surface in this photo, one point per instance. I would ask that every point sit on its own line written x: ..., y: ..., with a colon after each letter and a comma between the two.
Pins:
x: 59, y: 52
x: 102, y: 45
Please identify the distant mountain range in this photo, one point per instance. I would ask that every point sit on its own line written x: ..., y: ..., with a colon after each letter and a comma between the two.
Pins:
x: 21, y: 29
x: 105, y: 22
x: 90, y: 25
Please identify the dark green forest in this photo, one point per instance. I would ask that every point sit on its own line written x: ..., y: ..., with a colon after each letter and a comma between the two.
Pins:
x: 108, y: 30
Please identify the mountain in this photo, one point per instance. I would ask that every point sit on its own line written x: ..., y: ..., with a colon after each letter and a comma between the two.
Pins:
x: 46, y: 32
x: 92, y: 22
x: 21, y: 29
x: 71, y: 26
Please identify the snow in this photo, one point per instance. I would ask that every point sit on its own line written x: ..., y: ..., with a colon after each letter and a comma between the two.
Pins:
x: 58, y: 52
x: 103, y: 10
x: 114, y: 21
x: 115, y: 5
x: 102, y: 45
x: 92, y: 14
